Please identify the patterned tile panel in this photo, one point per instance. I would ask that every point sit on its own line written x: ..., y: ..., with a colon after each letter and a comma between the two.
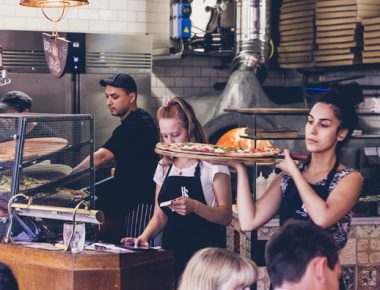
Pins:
x: 368, y: 278
x: 368, y: 231
x: 362, y: 244
x: 348, y: 275
x: 375, y: 244
x: 266, y: 232
x: 348, y: 254
x: 374, y: 258
x: 362, y: 258
x: 263, y: 281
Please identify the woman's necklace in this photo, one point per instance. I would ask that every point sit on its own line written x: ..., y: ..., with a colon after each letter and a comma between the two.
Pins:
x: 180, y: 166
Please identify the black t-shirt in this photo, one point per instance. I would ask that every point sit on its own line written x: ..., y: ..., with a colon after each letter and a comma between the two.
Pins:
x: 132, y: 143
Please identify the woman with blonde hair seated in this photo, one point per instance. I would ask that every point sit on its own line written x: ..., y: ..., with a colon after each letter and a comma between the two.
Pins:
x: 218, y: 269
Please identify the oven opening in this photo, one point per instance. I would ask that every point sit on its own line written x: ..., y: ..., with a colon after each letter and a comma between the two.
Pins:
x: 230, y: 136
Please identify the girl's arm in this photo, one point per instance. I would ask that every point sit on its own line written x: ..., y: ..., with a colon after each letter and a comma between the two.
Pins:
x: 341, y: 199
x: 221, y: 214
x: 253, y: 215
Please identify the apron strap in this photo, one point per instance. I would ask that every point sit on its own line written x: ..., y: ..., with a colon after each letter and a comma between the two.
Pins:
x: 330, y: 176
x: 197, y: 172
x: 167, y: 173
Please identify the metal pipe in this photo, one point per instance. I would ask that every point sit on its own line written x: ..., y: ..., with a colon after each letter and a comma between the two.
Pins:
x: 252, y: 34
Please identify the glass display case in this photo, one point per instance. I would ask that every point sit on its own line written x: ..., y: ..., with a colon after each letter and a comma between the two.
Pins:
x: 38, y: 153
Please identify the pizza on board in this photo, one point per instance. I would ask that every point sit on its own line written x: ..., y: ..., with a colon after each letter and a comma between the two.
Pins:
x: 210, y: 149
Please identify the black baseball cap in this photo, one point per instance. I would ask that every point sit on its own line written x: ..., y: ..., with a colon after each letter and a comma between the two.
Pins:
x: 120, y: 80
x: 15, y: 100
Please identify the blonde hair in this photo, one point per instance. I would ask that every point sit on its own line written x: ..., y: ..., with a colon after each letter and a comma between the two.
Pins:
x: 178, y: 108
x: 212, y: 268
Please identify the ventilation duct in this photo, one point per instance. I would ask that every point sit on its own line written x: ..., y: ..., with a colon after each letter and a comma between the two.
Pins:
x: 252, y: 34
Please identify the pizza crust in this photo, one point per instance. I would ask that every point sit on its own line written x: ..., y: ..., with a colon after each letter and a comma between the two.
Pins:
x: 213, y: 150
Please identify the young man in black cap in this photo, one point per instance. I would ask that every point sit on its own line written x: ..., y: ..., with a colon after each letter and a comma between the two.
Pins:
x: 132, y: 146
x: 16, y: 102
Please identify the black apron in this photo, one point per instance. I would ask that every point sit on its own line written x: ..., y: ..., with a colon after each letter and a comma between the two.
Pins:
x: 291, y: 204
x: 184, y: 235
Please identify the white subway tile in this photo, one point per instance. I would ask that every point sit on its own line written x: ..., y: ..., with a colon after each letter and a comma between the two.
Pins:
x: 98, y: 26
x: 174, y: 92
x: 8, y: 10
x: 118, y: 27
x: 191, y: 91
x: 159, y: 70
x: 153, y: 81
x: 136, y: 6
x: 108, y: 15
x: 26, y: 11
x: 89, y: 14
x: 165, y: 82
x: 99, y: 4
x: 37, y: 23
x: 208, y: 72
x: 14, y: 22
x: 141, y: 16
x: 158, y: 92
x: 192, y: 71
x: 127, y: 16
x: 199, y: 61
x: 183, y: 82
x: 201, y: 82
x: 78, y: 25
x: 158, y: 6
x: 118, y: 5
x: 136, y: 27
x: 174, y: 71
x: 158, y: 17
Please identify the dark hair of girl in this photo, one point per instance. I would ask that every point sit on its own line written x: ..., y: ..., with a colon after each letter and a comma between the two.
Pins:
x: 344, y: 100
x: 178, y: 108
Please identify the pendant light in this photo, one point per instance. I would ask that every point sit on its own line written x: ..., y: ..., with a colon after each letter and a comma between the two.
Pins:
x: 60, y: 4
x: 55, y: 47
x: 53, y: 3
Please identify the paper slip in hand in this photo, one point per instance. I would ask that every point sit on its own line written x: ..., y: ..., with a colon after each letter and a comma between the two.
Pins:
x: 166, y: 203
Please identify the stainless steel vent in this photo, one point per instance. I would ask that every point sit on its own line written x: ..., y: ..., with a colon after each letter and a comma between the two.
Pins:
x: 106, y: 53
x: 23, y: 51
x: 252, y: 33
x: 138, y: 61
x: 25, y: 61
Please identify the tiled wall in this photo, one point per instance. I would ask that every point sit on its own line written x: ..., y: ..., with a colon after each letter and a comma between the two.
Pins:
x: 187, y: 77
x: 360, y: 258
x: 100, y: 16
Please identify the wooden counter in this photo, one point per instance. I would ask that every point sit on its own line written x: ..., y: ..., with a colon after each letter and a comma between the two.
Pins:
x: 37, y: 269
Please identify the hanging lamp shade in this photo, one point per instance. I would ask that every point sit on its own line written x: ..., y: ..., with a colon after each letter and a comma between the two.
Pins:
x: 53, y: 3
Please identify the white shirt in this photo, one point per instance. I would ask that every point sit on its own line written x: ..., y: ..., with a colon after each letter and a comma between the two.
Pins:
x: 208, y: 172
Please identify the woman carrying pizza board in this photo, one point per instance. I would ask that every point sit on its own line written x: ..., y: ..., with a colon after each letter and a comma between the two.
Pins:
x: 322, y: 190
x: 193, y: 198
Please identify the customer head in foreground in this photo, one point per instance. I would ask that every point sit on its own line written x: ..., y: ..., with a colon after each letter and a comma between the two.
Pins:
x: 218, y: 269
x: 15, y: 102
x: 302, y: 256
x: 7, y: 280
